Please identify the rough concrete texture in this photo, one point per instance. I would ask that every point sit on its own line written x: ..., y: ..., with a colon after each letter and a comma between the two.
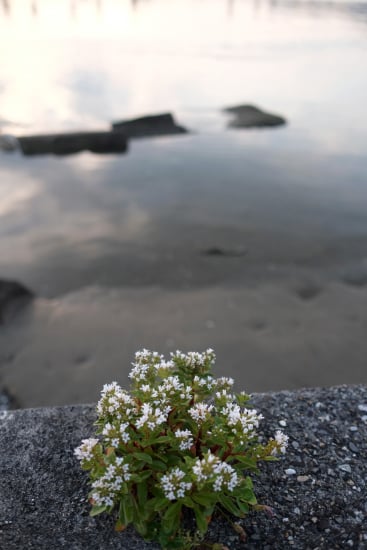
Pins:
x: 317, y: 490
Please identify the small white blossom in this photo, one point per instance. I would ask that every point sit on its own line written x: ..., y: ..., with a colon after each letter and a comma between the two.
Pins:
x: 245, y: 420
x: 226, y: 476
x: 224, y: 381
x: 114, y: 400
x: 106, y: 488
x: 200, y: 412
x: 186, y: 439
x: 152, y: 417
x: 173, y: 486
x: 164, y: 367
x: 139, y: 372
x: 85, y: 450
x: 282, y: 442
x: 193, y: 358
x: 211, y: 469
x: 123, y: 433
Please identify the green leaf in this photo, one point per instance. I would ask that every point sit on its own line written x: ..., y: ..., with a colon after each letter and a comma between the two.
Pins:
x: 230, y: 506
x: 159, y: 466
x: 144, y: 457
x: 142, y: 493
x: 157, y: 503
x: 126, y: 513
x: 187, y: 501
x: 162, y: 439
x: 249, y: 463
x: 201, y: 521
x: 243, y: 506
x: 97, y: 509
x: 248, y: 483
x: 171, y: 519
x: 173, y: 460
x: 204, y: 500
x: 248, y: 495
x: 142, y: 476
x: 172, y: 511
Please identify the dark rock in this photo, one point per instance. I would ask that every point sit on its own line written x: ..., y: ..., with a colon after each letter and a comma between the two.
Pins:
x: 13, y: 295
x: 249, y: 116
x: 66, y: 144
x: 356, y: 277
x: 7, y: 400
x: 8, y: 143
x: 216, y: 251
x: 149, y: 126
x: 308, y: 291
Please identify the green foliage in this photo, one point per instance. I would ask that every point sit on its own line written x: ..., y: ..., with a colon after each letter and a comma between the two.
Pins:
x: 174, y: 450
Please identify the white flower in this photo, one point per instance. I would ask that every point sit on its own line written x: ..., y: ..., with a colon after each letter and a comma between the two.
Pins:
x: 106, y: 488
x: 164, y: 366
x: 211, y: 469
x: 123, y: 433
x: 152, y: 417
x: 226, y: 476
x: 139, y: 372
x: 193, y: 358
x: 114, y: 400
x: 186, y: 439
x: 282, y: 442
x: 203, y: 469
x: 173, y: 486
x: 245, y: 420
x: 85, y: 450
x: 224, y: 381
x: 200, y: 412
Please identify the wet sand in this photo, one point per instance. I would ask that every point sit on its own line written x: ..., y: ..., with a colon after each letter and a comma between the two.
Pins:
x: 303, y: 327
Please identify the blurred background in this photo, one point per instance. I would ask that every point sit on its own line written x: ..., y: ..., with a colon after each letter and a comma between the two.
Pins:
x: 252, y: 241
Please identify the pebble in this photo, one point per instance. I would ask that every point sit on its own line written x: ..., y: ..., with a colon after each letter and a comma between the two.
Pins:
x: 290, y: 472
x: 345, y: 468
x: 282, y: 423
x: 353, y: 447
x: 362, y: 407
x: 302, y: 479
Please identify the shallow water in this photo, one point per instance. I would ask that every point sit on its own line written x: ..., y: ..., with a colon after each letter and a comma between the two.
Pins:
x: 285, y: 204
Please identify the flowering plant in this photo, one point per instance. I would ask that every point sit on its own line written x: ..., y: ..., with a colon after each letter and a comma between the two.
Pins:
x: 175, y: 447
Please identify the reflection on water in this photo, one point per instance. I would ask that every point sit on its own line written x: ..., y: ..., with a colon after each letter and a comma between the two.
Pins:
x: 304, y: 60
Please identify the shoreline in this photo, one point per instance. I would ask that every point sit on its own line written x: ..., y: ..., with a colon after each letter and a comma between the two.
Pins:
x: 281, y: 333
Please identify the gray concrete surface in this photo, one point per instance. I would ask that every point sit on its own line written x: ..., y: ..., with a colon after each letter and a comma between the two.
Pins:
x: 317, y: 491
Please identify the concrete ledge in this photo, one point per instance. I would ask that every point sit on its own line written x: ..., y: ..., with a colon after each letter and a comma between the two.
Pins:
x: 320, y: 506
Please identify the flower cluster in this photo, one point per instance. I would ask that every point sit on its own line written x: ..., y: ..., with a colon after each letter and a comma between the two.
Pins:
x: 211, y: 470
x: 173, y: 485
x: 85, y: 451
x: 179, y: 439
x: 107, y: 487
x: 186, y: 439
